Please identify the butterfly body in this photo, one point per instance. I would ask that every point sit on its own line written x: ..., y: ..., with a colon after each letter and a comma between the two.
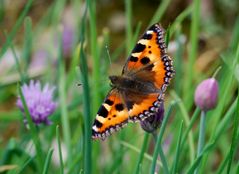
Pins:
x: 132, y: 84
x: 139, y: 91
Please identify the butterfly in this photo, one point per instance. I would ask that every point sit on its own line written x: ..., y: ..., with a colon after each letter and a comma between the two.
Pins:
x: 138, y: 92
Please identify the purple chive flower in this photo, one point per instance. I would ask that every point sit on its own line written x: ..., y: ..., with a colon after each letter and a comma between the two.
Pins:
x: 206, y: 94
x: 67, y: 40
x: 151, y: 123
x: 39, y: 102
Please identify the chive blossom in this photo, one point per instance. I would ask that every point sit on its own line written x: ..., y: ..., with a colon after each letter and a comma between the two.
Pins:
x: 39, y: 102
x: 206, y: 94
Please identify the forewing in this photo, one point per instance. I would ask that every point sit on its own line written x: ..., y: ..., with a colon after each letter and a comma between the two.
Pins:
x: 149, y: 60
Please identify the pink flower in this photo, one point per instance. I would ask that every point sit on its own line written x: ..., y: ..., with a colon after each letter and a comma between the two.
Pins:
x: 39, y: 102
x: 206, y: 94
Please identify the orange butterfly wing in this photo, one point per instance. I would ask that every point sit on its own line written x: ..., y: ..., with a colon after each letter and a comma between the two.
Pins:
x: 142, y: 106
x: 111, y: 116
x: 149, y: 60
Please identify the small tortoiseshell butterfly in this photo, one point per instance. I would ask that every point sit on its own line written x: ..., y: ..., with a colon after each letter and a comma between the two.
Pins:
x: 138, y: 92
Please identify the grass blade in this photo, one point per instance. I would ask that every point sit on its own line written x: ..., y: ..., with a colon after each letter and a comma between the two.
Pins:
x: 237, y: 171
x: 160, y: 11
x: 86, y: 99
x: 95, y: 54
x: 16, y: 27
x: 180, y: 18
x: 75, y: 163
x: 167, y: 36
x: 129, y: 41
x: 25, y: 164
x: 225, y: 88
x: 178, y: 58
x: 56, y: 11
x: 59, y: 150
x: 193, y: 51
x: 146, y: 156
x: 159, y: 140
x: 222, y: 167
x: 141, y: 155
x: 187, y: 122
x: 16, y: 59
x: 27, y: 42
x: 47, y: 161
x: 221, y: 127
x: 197, y: 161
x: 235, y: 35
x: 33, y: 132
x: 234, y: 136
x: 63, y: 105
x: 201, y: 138
x: 136, y: 33
x: 192, y: 121
x: 176, y: 159
x: 163, y: 159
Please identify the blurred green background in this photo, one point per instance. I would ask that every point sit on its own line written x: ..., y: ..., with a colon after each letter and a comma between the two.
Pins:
x: 70, y: 42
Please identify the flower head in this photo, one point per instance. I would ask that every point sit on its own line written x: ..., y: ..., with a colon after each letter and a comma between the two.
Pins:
x: 206, y: 94
x: 67, y: 40
x: 151, y: 123
x: 39, y: 101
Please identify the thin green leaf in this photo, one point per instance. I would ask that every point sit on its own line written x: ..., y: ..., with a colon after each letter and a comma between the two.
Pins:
x: 178, y: 148
x: 27, y: 42
x: 163, y: 159
x: 167, y: 37
x: 158, y: 143
x: 63, y: 105
x: 129, y: 41
x: 16, y: 60
x: 28, y: 161
x: 180, y: 18
x: 160, y: 11
x: 136, y: 33
x: 59, y: 150
x: 222, y: 167
x: 191, y: 123
x: 47, y: 161
x: 16, y: 27
x: 225, y: 88
x: 91, y: 5
x: 201, y: 138
x: 33, y: 131
x: 197, y: 161
x: 187, y: 123
x: 194, y: 32
x: 86, y: 89
x: 146, y: 156
x: 234, y: 136
x: 141, y: 155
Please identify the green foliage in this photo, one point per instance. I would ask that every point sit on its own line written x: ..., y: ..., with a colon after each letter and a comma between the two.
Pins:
x: 80, y: 78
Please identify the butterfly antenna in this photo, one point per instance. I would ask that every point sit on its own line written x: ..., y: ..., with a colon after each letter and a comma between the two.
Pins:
x: 108, y: 53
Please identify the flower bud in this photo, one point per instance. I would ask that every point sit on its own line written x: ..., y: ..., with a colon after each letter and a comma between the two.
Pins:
x: 206, y: 94
x: 151, y: 123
